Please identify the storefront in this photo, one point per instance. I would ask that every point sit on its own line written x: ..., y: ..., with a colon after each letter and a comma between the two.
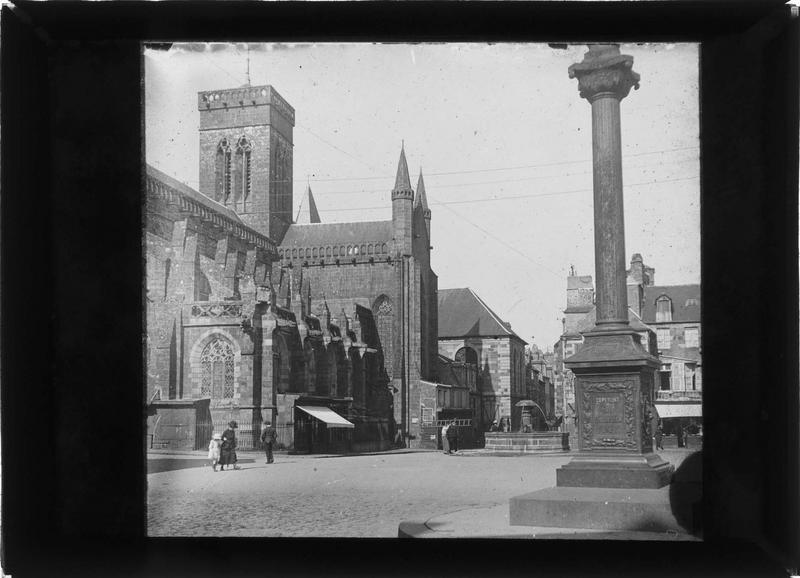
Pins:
x: 320, y: 430
x: 682, y: 424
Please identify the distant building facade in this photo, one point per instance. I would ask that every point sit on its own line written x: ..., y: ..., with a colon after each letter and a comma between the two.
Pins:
x: 668, y: 320
x: 470, y: 332
x: 540, y: 377
x: 252, y: 316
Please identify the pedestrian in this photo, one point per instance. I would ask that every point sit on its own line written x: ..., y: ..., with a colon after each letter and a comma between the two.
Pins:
x: 268, y: 437
x: 228, y: 449
x: 214, y: 450
x: 452, y: 437
x: 659, y: 437
x: 445, y: 441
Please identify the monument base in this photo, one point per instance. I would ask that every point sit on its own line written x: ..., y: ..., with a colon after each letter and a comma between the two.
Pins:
x: 604, y: 509
x: 645, y: 471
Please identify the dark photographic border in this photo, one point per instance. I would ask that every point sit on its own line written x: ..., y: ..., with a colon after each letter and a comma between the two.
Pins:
x: 72, y: 262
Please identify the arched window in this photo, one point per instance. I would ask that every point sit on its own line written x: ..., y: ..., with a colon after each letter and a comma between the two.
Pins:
x: 382, y: 311
x: 663, y: 309
x: 383, y: 248
x: 467, y: 355
x: 217, y: 362
x: 315, y: 253
x: 222, y: 187
x: 327, y: 251
x: 369, y: 249
x: 294, y: 253
x: 242, y: 176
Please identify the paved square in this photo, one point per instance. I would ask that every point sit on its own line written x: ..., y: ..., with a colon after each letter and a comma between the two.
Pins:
x: 349, y: 496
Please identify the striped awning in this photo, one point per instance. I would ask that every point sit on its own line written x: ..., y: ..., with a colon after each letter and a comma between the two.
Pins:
x: 668, y: 410
x: 327, y: 415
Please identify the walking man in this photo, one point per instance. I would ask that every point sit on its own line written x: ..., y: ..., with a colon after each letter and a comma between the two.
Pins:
x: 268, y: 437
x: 452, y: 437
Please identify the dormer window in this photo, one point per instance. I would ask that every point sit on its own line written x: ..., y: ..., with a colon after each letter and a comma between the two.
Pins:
x: 663, y: 309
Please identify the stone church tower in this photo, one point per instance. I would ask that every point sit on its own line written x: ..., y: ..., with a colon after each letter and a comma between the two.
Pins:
x: 246, y: 155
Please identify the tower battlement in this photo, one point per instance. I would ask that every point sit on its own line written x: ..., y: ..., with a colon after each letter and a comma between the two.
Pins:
x: 245, y: 96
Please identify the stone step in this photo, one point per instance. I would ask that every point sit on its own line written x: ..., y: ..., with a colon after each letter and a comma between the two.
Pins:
x: 608, y: 509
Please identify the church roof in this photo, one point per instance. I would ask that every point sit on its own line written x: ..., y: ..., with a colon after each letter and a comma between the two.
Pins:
x: 463, y: 314
x: 685, y: 302
x: 323, y: 234
x: 307, y: 213
x: 207, y: 209
x: 422, y: 199
x: 402, y: 182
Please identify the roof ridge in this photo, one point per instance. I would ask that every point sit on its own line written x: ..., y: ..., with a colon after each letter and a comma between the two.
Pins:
x: 492, y: 313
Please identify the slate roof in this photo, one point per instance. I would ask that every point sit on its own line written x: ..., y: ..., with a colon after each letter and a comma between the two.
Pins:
x: 421, y: 199
x: 402, y: 182
x: 307, y: 213
x: 324, y: 234
x: 463, y: 314
x: 196, y: 196
x: 682, y: 310
x: 206, y: 208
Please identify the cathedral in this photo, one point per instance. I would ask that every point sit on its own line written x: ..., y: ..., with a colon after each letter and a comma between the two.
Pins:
x: 324, y: 329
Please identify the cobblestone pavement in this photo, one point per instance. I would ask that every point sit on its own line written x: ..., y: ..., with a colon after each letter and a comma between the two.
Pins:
x: 351, y: 496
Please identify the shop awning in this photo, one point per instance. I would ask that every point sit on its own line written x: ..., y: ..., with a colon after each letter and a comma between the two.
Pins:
x: 668, y: 410
x: 327, y: 415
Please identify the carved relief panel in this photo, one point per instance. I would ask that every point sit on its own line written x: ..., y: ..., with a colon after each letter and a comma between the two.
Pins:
x: 607, y: 414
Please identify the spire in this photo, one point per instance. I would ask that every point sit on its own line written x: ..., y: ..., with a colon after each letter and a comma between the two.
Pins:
x: 421, y: 200
x: 402, y: 183
x: 307, y: 213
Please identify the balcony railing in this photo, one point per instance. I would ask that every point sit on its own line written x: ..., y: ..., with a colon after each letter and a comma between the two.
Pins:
x: 676, y: 395
x: 216, y: 309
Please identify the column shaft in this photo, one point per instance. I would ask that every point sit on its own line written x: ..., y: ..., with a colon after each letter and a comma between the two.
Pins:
x: 609, y: 222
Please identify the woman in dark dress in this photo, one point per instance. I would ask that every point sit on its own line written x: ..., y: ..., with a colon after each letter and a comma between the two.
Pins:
x: 228, y: 449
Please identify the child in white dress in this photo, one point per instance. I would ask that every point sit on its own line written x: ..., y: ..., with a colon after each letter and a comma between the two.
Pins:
x: 214, y: 450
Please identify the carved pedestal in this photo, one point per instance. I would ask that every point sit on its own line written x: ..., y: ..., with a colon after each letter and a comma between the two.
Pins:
x: 614, y: 391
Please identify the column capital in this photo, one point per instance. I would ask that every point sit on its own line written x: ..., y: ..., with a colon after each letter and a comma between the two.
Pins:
x: 604, y: 71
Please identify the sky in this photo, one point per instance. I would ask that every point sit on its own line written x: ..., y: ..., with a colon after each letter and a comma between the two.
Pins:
x: 501, y: 135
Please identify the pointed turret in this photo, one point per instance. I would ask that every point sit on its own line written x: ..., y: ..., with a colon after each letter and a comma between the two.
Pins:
x: 402, y: 207
x: 402, y: 182
x: 421, y: 202
x: 307, y: 213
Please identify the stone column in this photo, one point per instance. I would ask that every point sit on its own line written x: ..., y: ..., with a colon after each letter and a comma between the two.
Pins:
x: 615, y: 374
x: 605, y: 77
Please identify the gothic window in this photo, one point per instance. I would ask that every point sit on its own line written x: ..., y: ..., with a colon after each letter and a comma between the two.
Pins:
x: 382, y: 310
x: 383, y: 248
x: 217, y: 363
x: 222, y: 188
x: 242, y: 177
x: 467, y: 355
x: 663, y: 309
